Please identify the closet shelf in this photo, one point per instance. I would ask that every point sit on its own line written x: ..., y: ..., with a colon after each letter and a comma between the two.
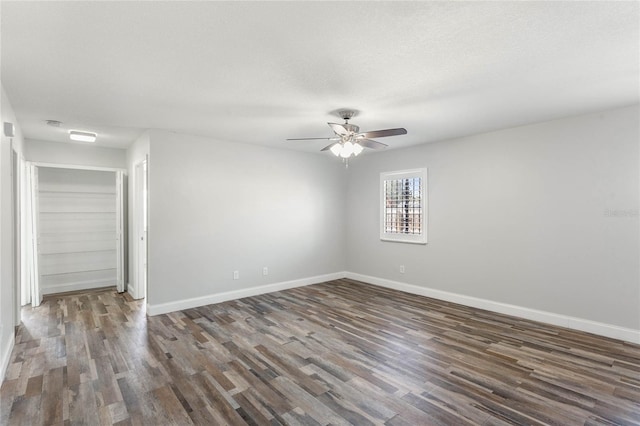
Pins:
x: 50, y: 191
x: 79, y: 212
x: 77, y: 252
x: 75, y: 272
x: 90, y: 231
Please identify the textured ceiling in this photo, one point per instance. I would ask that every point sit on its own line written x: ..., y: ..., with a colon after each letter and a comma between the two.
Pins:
x: 263, y: 72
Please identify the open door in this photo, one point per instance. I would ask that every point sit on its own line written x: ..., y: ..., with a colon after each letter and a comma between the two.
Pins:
x: 32, y: 234
x: 25, y: 239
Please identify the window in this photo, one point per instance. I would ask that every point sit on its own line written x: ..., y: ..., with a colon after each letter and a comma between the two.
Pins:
x: 403, y: 209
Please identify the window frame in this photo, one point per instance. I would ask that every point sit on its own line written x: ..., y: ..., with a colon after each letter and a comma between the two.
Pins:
x: 421, y: 238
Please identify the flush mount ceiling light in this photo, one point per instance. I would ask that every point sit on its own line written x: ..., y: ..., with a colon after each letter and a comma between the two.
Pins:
x: 348, y: 140
x: 77, y: 135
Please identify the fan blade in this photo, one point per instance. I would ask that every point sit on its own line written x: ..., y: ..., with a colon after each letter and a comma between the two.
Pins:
x: 309, y: 139
x: 339, y: 129
x: 372, y: 144
x: 328, y: 147
x: 383, y: 133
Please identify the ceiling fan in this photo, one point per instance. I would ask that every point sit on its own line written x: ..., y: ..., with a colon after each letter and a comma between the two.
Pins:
x: 349, y: 140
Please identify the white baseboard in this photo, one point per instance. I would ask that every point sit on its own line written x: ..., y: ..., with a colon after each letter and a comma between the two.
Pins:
x: 163, y: 308
x: 6, y: 357
x: 602, y: 329
x: 82, y: 285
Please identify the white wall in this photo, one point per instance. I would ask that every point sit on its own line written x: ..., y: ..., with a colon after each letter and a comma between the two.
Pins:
x: 524, y: 216
x: 138, y: 151
x: 74, y: 154
x: 216, y: 207
x: 7, y: 288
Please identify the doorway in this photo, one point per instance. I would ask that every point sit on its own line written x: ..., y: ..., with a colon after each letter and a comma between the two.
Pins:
x: 76, y: 229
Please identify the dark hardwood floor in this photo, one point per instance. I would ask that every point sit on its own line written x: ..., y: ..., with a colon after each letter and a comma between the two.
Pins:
x: 336, y: 353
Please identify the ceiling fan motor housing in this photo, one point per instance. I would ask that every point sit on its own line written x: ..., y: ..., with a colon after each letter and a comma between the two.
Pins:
x: 351, y: 128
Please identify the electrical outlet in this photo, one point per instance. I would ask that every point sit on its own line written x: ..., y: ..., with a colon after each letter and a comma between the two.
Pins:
x: 402, y: 269
x: 236, y: 275
x: 265, y: 271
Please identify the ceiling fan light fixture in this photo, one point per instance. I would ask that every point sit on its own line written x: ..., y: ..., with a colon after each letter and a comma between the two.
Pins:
x: 347, y: 150
x: 77, y: 135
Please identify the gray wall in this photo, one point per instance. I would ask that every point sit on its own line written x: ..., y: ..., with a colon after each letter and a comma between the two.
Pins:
x: 216, y: 207
x: 542, y: 216
x: 74, y: 154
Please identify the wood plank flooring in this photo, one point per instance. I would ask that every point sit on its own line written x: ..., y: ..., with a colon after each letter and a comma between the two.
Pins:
x: 336, y: 353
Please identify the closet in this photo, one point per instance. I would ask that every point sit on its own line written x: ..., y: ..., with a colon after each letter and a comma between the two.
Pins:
x: 77, y: 224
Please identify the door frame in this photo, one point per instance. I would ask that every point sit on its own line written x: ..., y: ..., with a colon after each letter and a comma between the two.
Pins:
x: 16, y: 230
x: 30, y: 214
x: 120, y: 236
x: 140, y: 232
